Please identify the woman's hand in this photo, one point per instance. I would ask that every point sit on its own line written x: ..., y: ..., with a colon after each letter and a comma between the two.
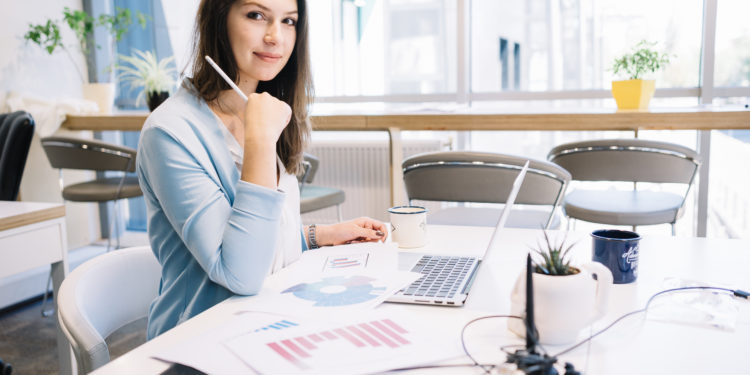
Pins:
x: 362, y: 229
x: 265, y: 119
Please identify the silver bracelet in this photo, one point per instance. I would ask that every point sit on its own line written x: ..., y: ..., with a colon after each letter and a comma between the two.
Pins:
x: 311, y: 237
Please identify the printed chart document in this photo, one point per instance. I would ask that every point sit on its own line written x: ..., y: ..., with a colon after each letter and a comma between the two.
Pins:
x: 334, y: 280
x: 207, y: 353
x: 375, y: 342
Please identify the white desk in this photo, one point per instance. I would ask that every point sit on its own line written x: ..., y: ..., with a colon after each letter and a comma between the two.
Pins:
x: 634, y: 346
x: 33, y: 235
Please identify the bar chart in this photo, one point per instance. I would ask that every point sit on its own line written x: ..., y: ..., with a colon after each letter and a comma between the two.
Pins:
x: 383, y: 333
x: 278, y: 325
x: 341, y: 262
x: 381, y: 342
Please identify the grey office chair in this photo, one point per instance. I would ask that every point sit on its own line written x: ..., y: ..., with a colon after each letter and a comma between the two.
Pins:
x: 630, y: 160
x: 483, y: 177
x: 102, y: 295
x: 313, y: 197
x: 90, y: 154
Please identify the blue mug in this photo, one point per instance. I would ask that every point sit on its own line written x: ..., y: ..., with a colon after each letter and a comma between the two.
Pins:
x: 618, y: 251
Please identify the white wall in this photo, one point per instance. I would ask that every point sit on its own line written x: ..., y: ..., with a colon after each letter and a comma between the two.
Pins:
x: 180, y: 18
x: 29, y: 70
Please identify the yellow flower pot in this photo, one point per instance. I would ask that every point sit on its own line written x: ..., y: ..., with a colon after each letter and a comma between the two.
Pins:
x: 633, y: 93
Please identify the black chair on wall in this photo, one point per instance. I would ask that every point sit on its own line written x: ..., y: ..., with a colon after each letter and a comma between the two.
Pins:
x: 16, y: 132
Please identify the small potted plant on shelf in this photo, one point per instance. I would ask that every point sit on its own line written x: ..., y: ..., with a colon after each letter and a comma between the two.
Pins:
x: 48, y: 37
x: 566, y: 298
x: 635, y: 92
x: 155, y: 78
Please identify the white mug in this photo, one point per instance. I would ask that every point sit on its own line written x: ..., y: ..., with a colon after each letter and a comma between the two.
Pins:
x: 409, y: 226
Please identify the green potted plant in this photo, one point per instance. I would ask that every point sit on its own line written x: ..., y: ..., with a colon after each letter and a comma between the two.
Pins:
x: 48, y: 37
x: 635, y: 92
x: 566, y: 298
x: 155, y: 78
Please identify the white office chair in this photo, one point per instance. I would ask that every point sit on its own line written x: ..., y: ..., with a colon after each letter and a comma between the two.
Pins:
x: 103, y: 295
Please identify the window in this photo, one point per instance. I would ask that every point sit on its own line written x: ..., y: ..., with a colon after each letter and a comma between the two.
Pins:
x: 732, y: 64
x: 384, y: 47
x: 541, y: 45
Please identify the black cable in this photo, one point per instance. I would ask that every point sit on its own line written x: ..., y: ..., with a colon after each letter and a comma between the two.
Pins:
x: 645, y: 309
x: 489, y: 367
x: 463, y: 331
x: 485, y: 367
x: 426, y: 367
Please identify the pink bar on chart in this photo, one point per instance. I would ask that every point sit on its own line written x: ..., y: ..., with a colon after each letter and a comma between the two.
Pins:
x: 379, y: 335
x: 390, y: 333
x: 294, y: 348
x: 394, y: 326
x: 315, y: 338
x: 363, y: 336
x: 328, y: 335
x: 307, y: 344
x: 349, y: 337
x: 286, y: 355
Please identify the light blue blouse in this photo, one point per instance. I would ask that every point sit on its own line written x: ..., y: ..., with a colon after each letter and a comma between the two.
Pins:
x: 214, y: 234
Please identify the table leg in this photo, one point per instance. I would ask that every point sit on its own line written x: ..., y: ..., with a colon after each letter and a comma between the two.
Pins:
x: 64, y: 351
x: 398, y: 192
x: 704, y: 150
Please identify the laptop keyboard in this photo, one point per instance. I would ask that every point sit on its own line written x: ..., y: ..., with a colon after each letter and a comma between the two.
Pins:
x: 442, y: 276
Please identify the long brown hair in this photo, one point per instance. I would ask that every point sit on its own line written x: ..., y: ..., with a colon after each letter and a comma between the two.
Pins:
x: 292, y: 85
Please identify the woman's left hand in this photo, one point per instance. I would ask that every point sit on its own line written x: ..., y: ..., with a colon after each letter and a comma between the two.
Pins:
x: 362, y: 229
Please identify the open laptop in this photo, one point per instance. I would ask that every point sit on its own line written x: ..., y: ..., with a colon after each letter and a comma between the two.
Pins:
x: 447, y: 279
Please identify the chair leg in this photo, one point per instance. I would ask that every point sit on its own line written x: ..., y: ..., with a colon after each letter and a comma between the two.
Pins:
x: 45, y: 311
x: 117, y: 223
x: 338, y: 213
x: 673, y: 229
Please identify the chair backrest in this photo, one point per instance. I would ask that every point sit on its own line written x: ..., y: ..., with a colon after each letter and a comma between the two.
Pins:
x: 16, y: 132
x: 102, y: 295
x: 635, y: 160
x: 482, y: 177
x: 311, y: 164
x: 90, y: 154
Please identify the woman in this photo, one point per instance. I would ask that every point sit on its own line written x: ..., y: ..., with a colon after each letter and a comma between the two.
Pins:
x: 217, y: 173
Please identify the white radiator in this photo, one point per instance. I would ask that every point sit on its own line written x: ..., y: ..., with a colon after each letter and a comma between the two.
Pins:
x: 360, y: 168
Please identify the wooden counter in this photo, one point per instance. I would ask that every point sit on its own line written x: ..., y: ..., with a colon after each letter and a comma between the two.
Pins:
x: 399, y: 118
x: 470, y: 119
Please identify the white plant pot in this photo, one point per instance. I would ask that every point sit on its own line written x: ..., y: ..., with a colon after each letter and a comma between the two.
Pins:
x: 563, y: 305
x: 103, y: 94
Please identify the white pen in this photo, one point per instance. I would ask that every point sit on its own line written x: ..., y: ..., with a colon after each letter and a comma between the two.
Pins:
x: 224, y: 75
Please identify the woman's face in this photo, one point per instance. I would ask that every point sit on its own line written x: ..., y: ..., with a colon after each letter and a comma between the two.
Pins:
x: 262, y: 34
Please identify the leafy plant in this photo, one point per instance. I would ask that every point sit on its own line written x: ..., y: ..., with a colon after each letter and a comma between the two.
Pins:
x: 554, y: 258
x: 643, y: 59
x: 143, y: 70
x: 47, y: 35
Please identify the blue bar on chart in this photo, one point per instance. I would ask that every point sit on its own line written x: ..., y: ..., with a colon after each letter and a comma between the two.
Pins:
x: 278, y: 325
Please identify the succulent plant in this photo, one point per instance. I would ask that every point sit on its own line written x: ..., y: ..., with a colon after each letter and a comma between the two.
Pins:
x: 554, y: 257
